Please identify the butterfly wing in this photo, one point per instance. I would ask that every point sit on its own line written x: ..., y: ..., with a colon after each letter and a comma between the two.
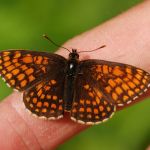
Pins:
x: 102, y: 86
x: 45, y: 99
x: 40, y: 76
x: 121, y: 82
x: 21, y: 69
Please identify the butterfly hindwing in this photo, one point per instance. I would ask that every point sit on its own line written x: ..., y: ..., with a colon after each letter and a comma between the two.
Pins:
x: 45, y: 99
x: 21, y: 69
x: 121, y: 83
x: 90, y: 105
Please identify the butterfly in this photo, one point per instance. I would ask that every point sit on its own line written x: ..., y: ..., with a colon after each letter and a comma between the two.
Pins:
x: 90, y: 90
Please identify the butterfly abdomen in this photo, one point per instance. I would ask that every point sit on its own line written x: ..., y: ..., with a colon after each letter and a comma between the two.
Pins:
x: 71, y: 70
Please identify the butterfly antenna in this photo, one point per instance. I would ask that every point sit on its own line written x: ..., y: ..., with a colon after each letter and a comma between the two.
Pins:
x: 93, y: 49
x: 50, y: 40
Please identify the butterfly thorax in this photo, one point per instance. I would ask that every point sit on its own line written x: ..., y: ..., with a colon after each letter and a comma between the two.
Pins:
x: 71, y: 69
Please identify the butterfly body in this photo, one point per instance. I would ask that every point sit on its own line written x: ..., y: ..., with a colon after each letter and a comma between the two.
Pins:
x: 90, y: 90
x: 70, y: 74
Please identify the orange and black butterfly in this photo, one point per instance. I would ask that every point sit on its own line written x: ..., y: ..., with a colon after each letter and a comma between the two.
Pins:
x: 90, y: 89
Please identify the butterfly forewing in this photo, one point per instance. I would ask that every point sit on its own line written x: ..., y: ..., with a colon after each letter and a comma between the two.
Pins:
x: 21, y: 69
x: 121, y: 83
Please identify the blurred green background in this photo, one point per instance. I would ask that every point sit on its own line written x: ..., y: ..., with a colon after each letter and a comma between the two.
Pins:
x: 21, y: 25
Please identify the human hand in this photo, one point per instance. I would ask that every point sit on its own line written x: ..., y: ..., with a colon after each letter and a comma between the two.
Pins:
x: 127, y: 41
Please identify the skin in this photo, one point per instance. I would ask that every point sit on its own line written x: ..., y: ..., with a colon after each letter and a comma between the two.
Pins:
x: 127, y: 41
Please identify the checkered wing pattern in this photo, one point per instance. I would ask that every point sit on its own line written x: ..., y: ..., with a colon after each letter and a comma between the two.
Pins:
x: 45, y: 99
x: 21, y: 69
x: 101, y: 86
x: 122, y: 83
x: 40, y: 76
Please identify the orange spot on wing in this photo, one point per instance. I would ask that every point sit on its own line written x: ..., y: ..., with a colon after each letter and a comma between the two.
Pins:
x: 39, y: 86
x: 48, y: 96
x: 86, y: 86
x: 125, y: 97
x: 23, y: 83
x: 101, y: 108
x: 118, y: 80
x: 97, y: 100
x: 34, y: 100
x: 125, y: 86
x: 94, y: 103
x: 15, y: 71
x: 129, y: 76
x: 96, y: 117
x: 8, y: 75
x: 81, y: 109
x: 44, y: 110
x: 21, y: 76
x: 74, y: 110
x: 91, y: 94
x: 44, y: 69
x: 6, y: 58
x: 130, y: 93
x: 103, y: 114
x: 39, y: 92
x: 117, y: 71
x: 17, y: 55
x: 108, y: 89
x: 24, y: 67
x: 119, y: 90
x: 131, y: 85
x: 5, y: 53
x: 128, y: 70
x: 39, y: 59
x: 105, y: 69
x: 45, y: 62
x: 4, y: 71
x: 55, y: 97
x: 89, y: 110
x: 88, y: 102
x: 60, y: 107
x: 82, y: 101
x: 7, y: 63
x: 39, y: 104
x: 136, y: 81
x: 12, y: 82
x: 137, y: 90
x: 108, y: 109
x: 98, y: 68
x: 111, y: 83
x: 46, y: 104
x: 15, y: 60
x: 17, y: 64
x: 29, y: 71
x: 95, y: 111
x: 42, y: 96
x: 138, y: 76
x: 47, y: 88
x: 114, y: 96
x: 27, y: 59
x: 53, y: 106
x: 31, y: 78
x: 144, y: 81
x: 53, y: 82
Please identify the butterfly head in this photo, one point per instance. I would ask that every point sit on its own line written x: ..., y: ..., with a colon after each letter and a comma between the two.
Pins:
x: 74, y: 54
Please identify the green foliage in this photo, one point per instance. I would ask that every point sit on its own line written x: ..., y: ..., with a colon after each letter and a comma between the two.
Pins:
x: 23, y: 23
